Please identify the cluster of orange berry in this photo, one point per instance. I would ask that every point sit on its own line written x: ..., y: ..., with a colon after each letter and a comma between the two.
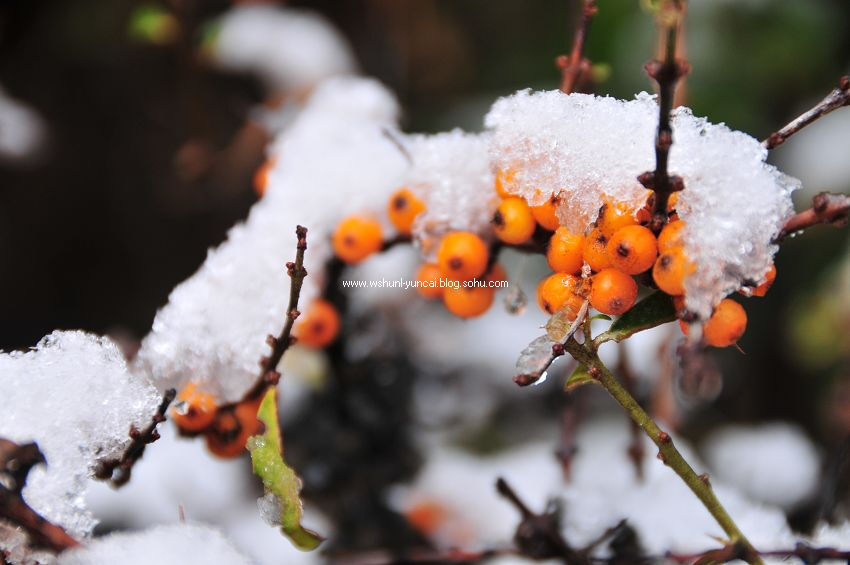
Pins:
x: 226, y: 429
x: 462, y: 257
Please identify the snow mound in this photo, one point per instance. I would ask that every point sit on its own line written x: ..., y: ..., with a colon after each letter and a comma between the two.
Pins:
x: 338, y: 158
x: 181, y: 544
x: 772, y: 463
x: 592, y: 148
x: 288, y: 48
x: 451, y: 173
x: 74, y: 396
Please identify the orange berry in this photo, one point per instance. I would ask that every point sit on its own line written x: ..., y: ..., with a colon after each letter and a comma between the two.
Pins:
x: 559, y: 290
x: 612, y: 292
x: 565, y: 253
x: 319, y: 326
x: 672, y: 202
x: 670, y: 236
x: 612, y: 217
x: 462, y: 256
x: 403, y: 208
x: 468, y: 302
x: 356, y: 237
x: 504, y: 179
x: 632, y: 249
x: 426, y: 517
x: 670, y: 271
x: 195, y: 410
x: 512, y: 221
x: 428, y: 276
x: 261, y: 176
x: 232, y: 429
x: 762, y: 289
x: 545, y: 213
x: 726, y: 325
x: 595, y: 250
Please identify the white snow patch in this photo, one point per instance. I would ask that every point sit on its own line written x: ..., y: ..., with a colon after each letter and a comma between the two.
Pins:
x: 74, y: 396
x: 592, y: 148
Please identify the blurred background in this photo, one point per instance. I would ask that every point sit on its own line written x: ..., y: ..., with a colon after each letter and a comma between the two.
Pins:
x: 142, y: 154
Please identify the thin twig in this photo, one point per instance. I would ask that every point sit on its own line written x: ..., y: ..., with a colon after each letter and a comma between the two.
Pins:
x: 575, y: 66
x: 16, y: 461
x: 571, y: 416
x: 118, y: 471
x: 836, y: 99
x: 667, y: 74
x: 734, y: 551
x: 827, y: 208
x: 268, y: 365
x: 667, y: 452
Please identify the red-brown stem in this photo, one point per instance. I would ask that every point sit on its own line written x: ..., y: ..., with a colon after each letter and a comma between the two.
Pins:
x: 15, y: 464
x: 268, y: 365
x: 836, y: 99
x: 575, y: 65
x: 827, y: 208
x: 667, y: 74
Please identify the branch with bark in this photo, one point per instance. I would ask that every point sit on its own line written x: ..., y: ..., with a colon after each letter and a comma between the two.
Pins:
x: 118, y: 471
x: 837, y: 98
x: 575, y: 67
x: 827, y: 208
x: 16, y: 461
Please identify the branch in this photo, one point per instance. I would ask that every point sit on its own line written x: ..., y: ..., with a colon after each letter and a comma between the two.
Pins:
x: 667, y: 452
x: 667, y: 74
x: 734, y: 551
x: 16, y: 461
x: 575, y: 65
x: 268, y: 365
x: 117, y: 471
x: 834, y: 100
x: 827, y: 208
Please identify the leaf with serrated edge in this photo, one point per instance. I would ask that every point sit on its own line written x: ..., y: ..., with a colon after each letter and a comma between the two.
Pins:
x: 654, y: 310
x: 579, y: 377
x: 278, y: 478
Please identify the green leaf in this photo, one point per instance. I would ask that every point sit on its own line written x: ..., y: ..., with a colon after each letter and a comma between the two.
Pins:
x: 601, y: 317
x: 654, y: 310
x: 579, y: 377
x: 279, y: 479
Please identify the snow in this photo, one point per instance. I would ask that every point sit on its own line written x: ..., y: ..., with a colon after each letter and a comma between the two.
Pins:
x: 592, y: 148
x: 288, y: 48
x: 451, y: 173
x: 214, y: 326
x: 22, y: 130
x: 180, y: 544
x: 75, y: 397
x: 602, y: 490
x: 773, y: 463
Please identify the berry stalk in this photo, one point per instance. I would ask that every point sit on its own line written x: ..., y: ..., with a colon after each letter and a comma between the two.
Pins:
x: 699, y: 484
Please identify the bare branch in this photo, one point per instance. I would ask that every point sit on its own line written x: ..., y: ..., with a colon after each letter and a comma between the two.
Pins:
x: 667, y: 74
x: 268, y: 365
x: 118, y: 471
x: 827, y: 208
x: 836, y: 99
x: 575, y: 66
x: 735, y: 551
x: 15, y: 463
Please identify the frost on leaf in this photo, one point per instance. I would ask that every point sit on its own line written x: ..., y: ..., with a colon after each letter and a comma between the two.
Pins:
x: 535, y: 359
x: 281, y: 483
x: 213, y: 329
x: 590, y: 149
x: 74, y: 396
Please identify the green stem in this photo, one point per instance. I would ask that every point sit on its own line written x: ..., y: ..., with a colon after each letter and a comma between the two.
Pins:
x: 671, y: 456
